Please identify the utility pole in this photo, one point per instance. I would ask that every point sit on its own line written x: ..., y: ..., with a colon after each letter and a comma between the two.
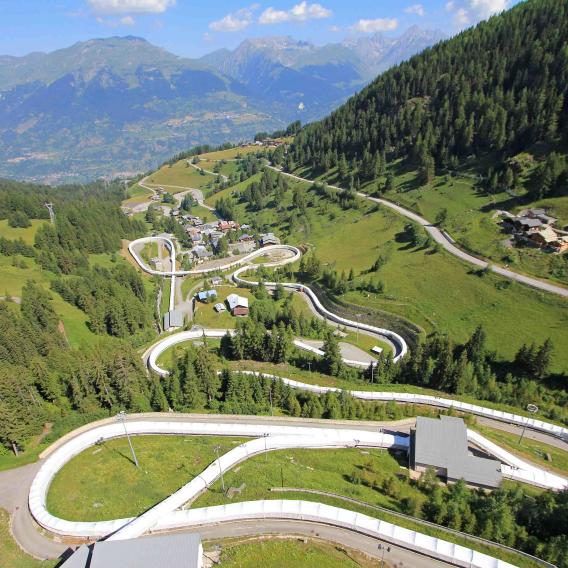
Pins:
x: 51, y: 212
x: 384, y: 548
x: 217, y: 448
x: 533, y: 409
x: 265, y: 435
x: 121, y: 417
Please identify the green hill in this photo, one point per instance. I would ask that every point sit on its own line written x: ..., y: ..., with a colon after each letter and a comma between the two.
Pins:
x: 475, y: 125
x: 493, y: 90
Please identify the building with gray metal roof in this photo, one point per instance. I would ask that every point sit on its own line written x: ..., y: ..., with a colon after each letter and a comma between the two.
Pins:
x: 179, y: 550
x: 442, y: 444
x: 173, y: 319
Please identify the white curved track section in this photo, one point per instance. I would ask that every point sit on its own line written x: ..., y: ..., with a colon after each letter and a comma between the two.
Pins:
x: 385, y: 396
x: 401, y: 348
x: 296, y: 254
x: 168, y: 514
x: 267, y: 437
x: 399, y: 343
x: 320, y: 513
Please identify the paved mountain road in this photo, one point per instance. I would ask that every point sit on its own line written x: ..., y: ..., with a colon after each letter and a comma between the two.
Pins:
x: 400, y: 557
x: 440, y: 237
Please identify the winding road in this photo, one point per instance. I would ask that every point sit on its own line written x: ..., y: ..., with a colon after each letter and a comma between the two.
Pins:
x: 442, y: 238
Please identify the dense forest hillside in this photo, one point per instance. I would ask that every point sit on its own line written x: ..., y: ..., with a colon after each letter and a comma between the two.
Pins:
x: 43, y: 377
x: 497, y: 89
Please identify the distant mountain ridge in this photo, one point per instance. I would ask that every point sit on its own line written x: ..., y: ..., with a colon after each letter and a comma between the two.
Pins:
x: 120, y: 105
x: 365, y: 57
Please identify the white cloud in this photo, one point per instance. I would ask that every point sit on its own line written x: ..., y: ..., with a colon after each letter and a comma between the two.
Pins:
x: 116, y: 22
x: 377, y: 25
x: 230, y: 23
x: 301, y: 12
x: 417, y: 9
x: 235, y: 21
x: 335, y: 29
x: 471, y: 11
x: 130, y: 6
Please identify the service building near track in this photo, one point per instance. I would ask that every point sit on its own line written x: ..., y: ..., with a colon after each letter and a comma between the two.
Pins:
x: 441, y: 445
x: 181, y: 550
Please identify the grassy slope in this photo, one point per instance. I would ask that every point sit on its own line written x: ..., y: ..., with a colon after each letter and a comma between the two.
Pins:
x: 12, y: 279
x: 436, y: 291
x: 26, y: 234
x: 180, y: 174
x: 102, y: 483
x: 326, y: 470
x: 11, y: 555
x: 470, y: 215
x: 536, y: 452
x: 298, y: 554
x: 230, y: 154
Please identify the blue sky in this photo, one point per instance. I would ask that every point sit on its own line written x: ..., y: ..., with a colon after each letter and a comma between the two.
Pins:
x: 194, y: 27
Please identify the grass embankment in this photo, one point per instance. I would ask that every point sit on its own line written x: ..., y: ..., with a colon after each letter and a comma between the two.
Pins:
x: 102, y: 483
x: 27, y: 234
x: 11, y: 555
x: 12, y: 280
x: 544, y: 455
x: 180, y: 174
x: 231, y: 153
x: 298, y: 553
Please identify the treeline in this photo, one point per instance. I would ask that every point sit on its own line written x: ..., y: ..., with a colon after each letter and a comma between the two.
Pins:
x: 87, y: 220
x: 43, y: 379
x: 497, y: 88
x: 271, y: 184
x: 537, y: 524
x: 195, y: 383
x: 115, y: 300
x: 81, y: 228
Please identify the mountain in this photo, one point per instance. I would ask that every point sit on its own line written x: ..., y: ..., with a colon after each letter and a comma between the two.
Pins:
x: 121, y: 105
x: 345, y: 66
x: 113, y: 106
x: 495, y: 90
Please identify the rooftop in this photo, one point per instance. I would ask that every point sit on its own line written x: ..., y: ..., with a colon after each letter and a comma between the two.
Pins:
x: 234, y: 301
x: 443, y: 444
x: 173, y: 318
x: 204, y: 294
x: 181, y: 550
